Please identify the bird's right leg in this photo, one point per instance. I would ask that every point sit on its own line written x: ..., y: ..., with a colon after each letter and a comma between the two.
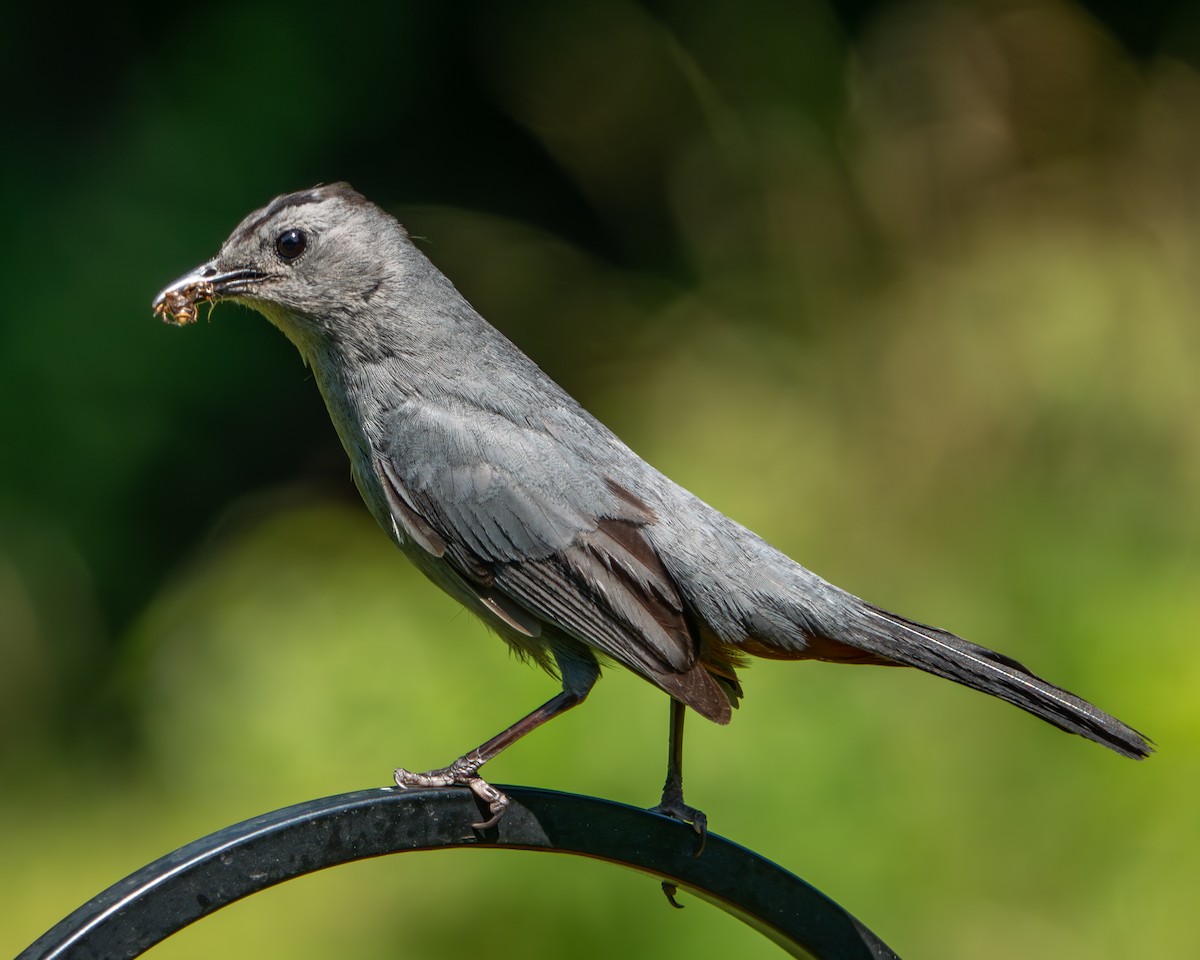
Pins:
x: 672, y: 804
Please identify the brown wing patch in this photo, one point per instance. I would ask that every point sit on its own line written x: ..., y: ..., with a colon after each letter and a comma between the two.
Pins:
x: 816, y: 648
x: 621, y: 549
x: 641, y: 511
x: 698, y: 689
x: 704, y: 678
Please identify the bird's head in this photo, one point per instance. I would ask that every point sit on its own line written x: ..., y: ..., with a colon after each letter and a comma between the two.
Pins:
x: 307, y: 261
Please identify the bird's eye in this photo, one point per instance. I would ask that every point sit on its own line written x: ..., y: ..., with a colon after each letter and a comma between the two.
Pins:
x: 291, y: 243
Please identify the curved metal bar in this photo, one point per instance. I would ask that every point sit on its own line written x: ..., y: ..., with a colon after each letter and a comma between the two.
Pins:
x: 201, y: 877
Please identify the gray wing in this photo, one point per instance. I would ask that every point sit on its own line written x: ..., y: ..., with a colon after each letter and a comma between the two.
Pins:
x: 526, y: 520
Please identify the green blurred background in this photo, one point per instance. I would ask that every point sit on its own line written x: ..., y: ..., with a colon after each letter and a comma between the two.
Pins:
x: 909, y: 288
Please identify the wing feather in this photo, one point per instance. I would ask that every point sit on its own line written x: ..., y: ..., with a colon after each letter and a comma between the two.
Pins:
x: 546, y: 537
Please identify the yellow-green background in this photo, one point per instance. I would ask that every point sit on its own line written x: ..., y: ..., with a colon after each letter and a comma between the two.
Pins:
x: 909, y: 288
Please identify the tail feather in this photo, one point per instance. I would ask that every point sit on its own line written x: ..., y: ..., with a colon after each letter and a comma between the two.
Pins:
x: 935, y: 651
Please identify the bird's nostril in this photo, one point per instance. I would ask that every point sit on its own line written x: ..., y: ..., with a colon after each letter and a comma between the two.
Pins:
x: 209, y: 271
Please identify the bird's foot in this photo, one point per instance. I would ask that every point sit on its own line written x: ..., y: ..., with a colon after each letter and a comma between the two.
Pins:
x: 672, y: 806
x: 463, y: 772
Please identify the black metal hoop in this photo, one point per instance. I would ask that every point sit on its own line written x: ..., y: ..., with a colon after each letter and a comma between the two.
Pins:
x: 201, y: 877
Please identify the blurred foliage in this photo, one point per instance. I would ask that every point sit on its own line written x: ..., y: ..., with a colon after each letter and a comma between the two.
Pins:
x: 910, y: 288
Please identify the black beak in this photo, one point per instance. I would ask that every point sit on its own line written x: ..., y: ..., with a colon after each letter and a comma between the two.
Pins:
x: 176, y: 303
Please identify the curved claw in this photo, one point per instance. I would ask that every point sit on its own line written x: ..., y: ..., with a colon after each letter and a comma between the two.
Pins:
x: 498, y: 811
x: 496, y: 800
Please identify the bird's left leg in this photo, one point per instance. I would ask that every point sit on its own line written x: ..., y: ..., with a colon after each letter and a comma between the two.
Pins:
x: 464, y: 771
x: 579, y: 672
x: 672, y: 804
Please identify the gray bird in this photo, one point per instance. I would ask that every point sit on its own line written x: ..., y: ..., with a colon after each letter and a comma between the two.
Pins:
x: 522, y: 506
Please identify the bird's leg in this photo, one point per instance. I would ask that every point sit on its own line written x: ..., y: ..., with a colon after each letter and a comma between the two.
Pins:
x: 465, y: 770
x: 672, y: 804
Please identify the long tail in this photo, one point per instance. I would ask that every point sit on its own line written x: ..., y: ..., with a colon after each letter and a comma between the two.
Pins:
x: 935, y: 651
